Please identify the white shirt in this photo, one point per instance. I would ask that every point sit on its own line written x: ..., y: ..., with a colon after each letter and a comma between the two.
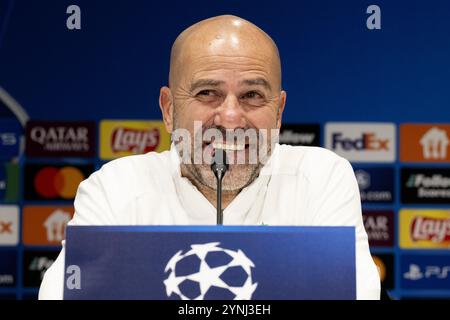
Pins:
x: 299, y: 186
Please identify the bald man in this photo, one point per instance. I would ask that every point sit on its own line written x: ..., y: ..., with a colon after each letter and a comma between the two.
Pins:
x: 225, y: 76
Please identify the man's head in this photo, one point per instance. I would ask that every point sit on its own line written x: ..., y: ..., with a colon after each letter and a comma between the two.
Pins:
x: 226, y: 73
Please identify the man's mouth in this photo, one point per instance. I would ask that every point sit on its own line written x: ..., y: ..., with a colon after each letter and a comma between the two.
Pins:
x: 231, y: 147
x: 233, y: 150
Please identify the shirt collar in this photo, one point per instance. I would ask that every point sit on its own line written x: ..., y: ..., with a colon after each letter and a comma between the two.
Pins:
x: 201, y: 211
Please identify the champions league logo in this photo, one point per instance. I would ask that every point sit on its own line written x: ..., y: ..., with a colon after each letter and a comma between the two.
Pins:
x: 208, y: 271
x: 12, y: 121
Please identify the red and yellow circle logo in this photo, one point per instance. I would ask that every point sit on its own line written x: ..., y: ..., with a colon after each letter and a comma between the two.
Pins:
x: 381, y: 267
x: 52, y: 182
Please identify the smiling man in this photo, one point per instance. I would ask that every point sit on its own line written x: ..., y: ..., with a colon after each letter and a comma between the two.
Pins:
x: 226, y: 73
x: 225, y: 77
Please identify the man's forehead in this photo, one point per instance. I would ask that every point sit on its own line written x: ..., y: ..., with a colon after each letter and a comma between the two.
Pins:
x: 211, y: 82
x: 230, y: 30
x: 224, y: 42
x: 213, y: 51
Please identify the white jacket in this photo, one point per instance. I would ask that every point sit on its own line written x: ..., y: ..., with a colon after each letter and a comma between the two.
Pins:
x: 299, y: 186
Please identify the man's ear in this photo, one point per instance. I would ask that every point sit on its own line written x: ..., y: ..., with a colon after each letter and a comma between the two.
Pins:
x: 166, y: 106
x: 281, y: 108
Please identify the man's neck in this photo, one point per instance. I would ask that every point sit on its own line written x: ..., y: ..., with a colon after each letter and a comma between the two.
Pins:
x: 209, y: 193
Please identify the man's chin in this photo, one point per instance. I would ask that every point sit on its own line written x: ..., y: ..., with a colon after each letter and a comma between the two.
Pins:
x: 237, y: 177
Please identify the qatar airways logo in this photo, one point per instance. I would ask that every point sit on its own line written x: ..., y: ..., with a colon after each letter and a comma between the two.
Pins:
x: 135, y: 140
x: 60, y: 138
x: 430, y: 229
x: 362, y: 142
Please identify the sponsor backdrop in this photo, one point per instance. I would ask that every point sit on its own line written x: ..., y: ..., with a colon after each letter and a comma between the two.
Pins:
x: 366, y: 79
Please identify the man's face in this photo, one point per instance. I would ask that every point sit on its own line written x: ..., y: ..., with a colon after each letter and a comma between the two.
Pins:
x: 227, y: 85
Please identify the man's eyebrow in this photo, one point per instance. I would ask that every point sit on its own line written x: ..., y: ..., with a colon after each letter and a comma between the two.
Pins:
x: 257, y: 82
x: 206, y: 83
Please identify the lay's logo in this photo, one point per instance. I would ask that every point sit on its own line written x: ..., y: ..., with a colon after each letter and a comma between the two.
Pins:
x: 424, y: 229
x: 135, y: 141
x: 122, y: 138
x: 362, y: 142
x: 430, y: 229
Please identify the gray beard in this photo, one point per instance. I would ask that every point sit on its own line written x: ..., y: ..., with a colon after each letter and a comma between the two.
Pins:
x: 235, y: 179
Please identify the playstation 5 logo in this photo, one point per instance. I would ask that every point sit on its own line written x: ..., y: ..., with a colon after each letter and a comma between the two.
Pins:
x: 415, y: 273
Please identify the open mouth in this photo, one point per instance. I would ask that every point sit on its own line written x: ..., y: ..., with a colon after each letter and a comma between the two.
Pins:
x: 231, y: 147
x: 233, y: 150
x: 225, y: 146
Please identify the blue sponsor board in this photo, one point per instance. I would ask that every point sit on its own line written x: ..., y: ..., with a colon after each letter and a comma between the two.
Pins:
x: 8, y: 268
x: 425, y: 272
x: 10, y: 134
x: 3, y: 180
x: 9, y: 182
x: 210, y: 263
x: 376, y: 184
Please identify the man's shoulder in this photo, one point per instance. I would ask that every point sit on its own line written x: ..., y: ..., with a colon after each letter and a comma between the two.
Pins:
x: 136, y: 170
x: 146, y: 161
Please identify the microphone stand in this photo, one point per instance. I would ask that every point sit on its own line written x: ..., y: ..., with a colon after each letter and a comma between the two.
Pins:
x: 219, y: 167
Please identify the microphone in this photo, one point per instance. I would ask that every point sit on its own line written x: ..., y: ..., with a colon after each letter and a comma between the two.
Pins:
x: 219, y: 166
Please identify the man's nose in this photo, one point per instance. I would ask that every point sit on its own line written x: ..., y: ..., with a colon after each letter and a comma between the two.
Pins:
x: 230, y: 114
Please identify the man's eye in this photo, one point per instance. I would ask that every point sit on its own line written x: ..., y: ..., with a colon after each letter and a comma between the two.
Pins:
x: 252, y: 95
x: 205, y: 93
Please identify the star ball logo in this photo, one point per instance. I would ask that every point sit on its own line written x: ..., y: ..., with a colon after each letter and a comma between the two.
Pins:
x: 54, y: 182
x: 376, y: 185
x: 208, y: 271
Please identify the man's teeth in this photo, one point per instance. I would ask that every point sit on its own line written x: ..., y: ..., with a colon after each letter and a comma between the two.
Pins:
x: 234, y: 147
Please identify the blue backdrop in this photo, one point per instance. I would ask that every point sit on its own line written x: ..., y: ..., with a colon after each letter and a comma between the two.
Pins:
x: 334, y: 69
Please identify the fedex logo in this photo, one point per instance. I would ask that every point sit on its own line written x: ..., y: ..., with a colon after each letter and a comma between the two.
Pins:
x: 368, y: 141
x: 5, y: 227
x: 9, y: 225
x: 362, y: 142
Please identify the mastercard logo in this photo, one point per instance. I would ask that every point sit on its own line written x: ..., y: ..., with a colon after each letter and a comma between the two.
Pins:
x: 381, y: 267
x: 53, y: 182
